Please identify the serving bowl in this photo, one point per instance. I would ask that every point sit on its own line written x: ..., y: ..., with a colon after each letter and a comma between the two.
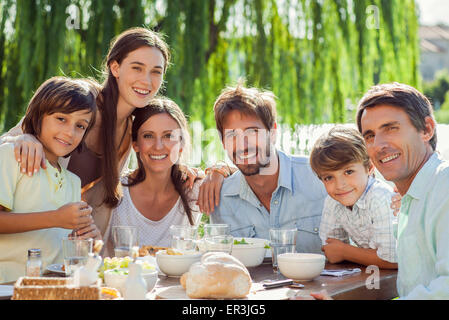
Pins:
x: 116, y: 278
x: 176, y: 265
x: 249, y: 251
x: 301, y: 266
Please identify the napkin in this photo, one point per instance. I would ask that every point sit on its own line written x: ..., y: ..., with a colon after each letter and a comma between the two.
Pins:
x: 339, y: 273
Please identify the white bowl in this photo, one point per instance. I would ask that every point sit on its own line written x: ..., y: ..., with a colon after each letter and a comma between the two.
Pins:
x: 176, y: 265
x: 251, y: 254
x: 117, y: 281
x: 301, y: 266
x: 151, y: 278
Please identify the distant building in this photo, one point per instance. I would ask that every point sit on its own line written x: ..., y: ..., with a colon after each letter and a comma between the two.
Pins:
x: 434, y: 43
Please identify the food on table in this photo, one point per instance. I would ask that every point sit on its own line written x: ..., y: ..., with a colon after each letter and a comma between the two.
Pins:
x: 108, y: 293
x: 119, y: 263
x: 176, y: 252
x: 122, y: 272
x: 219, y: 276
x: 243, y: 241
x: 250, y: 251
x: 149, y: 250
x: 173, y: 252
x: 98, y: 245
x: 301, y: 266
x: 176, y: 265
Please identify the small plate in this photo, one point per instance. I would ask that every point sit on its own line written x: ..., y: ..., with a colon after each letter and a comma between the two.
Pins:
x: 56, y: 268
x: 6, y: 292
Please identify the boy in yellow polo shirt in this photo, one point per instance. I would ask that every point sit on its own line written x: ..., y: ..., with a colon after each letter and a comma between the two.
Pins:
x: 38, y: 211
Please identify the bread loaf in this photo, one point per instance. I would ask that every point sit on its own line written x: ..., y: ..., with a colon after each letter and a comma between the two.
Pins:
x: 218, y: 276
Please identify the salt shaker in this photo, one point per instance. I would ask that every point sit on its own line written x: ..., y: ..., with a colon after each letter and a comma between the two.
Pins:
x: 135, y: 285
x: 34, y: 263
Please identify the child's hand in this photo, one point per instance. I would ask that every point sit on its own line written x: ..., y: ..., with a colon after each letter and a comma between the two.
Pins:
x: 29, y: 153
x: 396, y: 202
x: 334, y: 250
x: 75, y: 215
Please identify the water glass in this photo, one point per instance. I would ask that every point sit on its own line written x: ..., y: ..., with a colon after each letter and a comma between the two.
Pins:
x: 281, y: 241
x: 124, y: 239
x: 183, y: 237
x: 75, y: 252
x: 221, y: 243
x: 212, y: 229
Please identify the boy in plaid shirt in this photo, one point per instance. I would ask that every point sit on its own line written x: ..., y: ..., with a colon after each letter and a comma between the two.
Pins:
x: 357, y: 206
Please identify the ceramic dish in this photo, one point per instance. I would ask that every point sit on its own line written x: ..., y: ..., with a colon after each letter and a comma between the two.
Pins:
x: 250, y: 251
x: 176, y: 265
x: 301, y: 266
x: 56, y: 268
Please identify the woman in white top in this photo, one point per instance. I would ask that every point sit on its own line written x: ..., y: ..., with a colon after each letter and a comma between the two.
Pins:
x: 155, y: 195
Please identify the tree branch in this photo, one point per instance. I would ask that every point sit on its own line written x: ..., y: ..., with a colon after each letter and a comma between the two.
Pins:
x: 216, y: 28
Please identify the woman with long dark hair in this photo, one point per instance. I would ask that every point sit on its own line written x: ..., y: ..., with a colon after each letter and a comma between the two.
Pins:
x: 134, y: 72
x: 155, y: 195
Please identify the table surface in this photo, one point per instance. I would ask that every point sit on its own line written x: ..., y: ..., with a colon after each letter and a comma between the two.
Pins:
x: 379, y: 284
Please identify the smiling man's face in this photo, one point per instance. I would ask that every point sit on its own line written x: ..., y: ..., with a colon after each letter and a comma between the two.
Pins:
x: 247, y: 142
x: 395, y: 146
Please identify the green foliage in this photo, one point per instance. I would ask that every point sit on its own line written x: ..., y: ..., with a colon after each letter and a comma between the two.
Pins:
x: 438, y: 89
x: 318, y: 57
x: 442, y: 114
x: 445, y: 105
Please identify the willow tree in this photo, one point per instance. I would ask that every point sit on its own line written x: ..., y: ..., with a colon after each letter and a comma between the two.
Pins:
x: 4, y: 6
x: 318, y: 57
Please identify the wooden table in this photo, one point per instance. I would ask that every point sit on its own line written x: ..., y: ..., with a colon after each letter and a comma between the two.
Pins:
x: 349, y: 287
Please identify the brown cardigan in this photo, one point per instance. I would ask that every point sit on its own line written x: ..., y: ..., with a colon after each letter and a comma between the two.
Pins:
x: 93, y: 194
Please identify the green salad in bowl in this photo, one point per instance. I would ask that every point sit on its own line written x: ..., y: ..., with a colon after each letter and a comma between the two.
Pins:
x: 120, y: 266
x: 243, y: 241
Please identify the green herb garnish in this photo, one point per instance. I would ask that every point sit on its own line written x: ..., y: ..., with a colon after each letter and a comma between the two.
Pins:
x: 243, y: 241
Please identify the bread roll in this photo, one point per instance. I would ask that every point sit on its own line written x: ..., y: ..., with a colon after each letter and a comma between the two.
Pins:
x: 219, y: 276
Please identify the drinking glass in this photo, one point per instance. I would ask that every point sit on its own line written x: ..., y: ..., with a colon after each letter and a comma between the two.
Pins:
x: 183, y: 237
x: 281, y: 241
x: 124, y: 239
x: 220, y: 243
x: 212, y: 229
x: 75, y: 252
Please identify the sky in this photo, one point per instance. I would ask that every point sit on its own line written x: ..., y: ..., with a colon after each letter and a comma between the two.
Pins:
x: 433, y: 12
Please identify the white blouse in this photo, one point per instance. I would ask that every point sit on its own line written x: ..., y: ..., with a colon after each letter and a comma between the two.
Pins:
x: 155, y: 233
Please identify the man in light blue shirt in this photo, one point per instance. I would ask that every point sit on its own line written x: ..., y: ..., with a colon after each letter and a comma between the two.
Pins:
x: 397, y: 123
x: 271, y: 189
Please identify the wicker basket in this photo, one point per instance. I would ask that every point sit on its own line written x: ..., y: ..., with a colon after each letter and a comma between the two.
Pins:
x: 42, y: 288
